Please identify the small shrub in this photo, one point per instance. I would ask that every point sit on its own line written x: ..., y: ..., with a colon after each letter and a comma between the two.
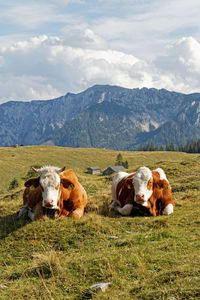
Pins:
x: 31, y: 173
x: 13, y: 184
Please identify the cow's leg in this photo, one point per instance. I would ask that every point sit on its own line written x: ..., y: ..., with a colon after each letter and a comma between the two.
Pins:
x: 125, y: 210
x: 77, y: 213
x: 38, y: 211
x: 62, y: 213
x: 31, y: 214
x: 113, y: 204
x: 113, y: 191
x: 23, y: 211
x: 168, y: 210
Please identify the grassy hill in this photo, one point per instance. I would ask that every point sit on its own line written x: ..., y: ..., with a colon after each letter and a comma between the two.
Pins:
x: 142, y: 257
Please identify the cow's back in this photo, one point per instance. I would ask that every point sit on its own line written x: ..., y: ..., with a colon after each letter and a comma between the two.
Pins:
x: 83, y: 195
x: 162, y: 194
x: 72, y: 197
x: 122, y: 188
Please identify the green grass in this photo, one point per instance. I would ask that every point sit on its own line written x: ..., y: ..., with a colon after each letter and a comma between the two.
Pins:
x: 142, y: 257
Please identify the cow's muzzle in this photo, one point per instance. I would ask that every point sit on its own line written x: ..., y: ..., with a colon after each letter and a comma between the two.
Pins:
x: 139, y: 199
x: 50, y: 204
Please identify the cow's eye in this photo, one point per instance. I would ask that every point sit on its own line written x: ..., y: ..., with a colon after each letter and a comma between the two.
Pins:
x: 57, y: 187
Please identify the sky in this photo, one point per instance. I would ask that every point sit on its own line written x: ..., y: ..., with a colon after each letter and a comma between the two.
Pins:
x: 50, y: 48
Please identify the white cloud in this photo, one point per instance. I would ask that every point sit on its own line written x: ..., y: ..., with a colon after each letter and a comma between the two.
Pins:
x: 25, y: 87
x: 145, y: 27
x: 66, y: 2
x: 181, y: 63
x: 45, y: 67
x: 80, y: 36
x: 183, y: 56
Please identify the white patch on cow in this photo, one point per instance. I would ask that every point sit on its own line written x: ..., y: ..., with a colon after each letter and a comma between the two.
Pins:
x: 116, y: 179
x: 169, y: 209
x: 125, y: 210
x: 162, y: 174
x: 120, y: 191
x: 140, y: 181
x: 50, y: 182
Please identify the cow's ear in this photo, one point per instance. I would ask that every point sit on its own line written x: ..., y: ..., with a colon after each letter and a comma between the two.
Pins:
x: 129, y: 183
x: 67, y: 183
x: 32, y: 182
x: 162, y: 185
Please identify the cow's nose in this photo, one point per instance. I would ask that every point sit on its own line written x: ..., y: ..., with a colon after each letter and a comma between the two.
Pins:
x: 140, y: 197
x: 49, y: 203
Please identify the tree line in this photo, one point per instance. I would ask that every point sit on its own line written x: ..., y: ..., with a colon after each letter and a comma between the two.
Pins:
x: 189, y: 147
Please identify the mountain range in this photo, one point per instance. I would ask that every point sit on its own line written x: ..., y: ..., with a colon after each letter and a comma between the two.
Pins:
x: 103, y: 116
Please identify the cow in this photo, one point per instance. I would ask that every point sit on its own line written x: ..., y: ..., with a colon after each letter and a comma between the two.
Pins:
x: 55, y: 191
x: 147, y: 191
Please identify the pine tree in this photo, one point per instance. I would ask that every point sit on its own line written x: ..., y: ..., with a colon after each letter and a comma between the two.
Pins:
x: 198, y: 146
x: 119, y: 160
x: 161, y: 148
x: 180, y: 148
x: 125, y: 164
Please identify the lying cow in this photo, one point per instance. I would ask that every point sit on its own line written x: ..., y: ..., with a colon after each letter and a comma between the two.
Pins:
x: 54, y: 191
x: 149, y: 191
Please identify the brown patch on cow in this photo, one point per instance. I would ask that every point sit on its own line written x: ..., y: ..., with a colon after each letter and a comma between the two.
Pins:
x: 32, y: 182
x: 33, y: 200
x: 161, y: 196
x: 73, y: 197
x: 125, y: 191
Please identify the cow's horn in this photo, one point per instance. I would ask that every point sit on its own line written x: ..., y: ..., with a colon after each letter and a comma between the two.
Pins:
x: 61, y: 170
x: 34, y: 169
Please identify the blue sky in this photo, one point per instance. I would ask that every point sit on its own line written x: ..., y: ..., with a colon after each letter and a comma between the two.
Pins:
x: 49, y: 48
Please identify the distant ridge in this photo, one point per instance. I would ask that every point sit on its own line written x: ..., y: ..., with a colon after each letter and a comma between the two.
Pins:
x: 103, y: 116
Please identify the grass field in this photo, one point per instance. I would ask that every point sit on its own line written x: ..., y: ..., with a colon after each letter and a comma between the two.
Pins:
x: 142, y: 257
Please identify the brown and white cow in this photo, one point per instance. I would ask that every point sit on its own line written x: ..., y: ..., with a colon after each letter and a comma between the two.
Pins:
x: 55, y: 190
x: 149, y: 190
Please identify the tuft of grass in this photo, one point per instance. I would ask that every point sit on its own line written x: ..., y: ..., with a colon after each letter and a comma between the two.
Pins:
x: 45, y: 265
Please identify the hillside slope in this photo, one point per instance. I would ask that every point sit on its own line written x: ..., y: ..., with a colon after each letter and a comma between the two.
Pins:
x: 142, y: 257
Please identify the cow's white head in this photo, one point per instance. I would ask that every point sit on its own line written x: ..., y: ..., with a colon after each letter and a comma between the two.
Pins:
x: 143, y: 185
x: 49, y: 181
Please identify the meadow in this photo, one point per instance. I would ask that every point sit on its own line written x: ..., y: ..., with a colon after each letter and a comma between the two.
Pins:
x: 142, y: 257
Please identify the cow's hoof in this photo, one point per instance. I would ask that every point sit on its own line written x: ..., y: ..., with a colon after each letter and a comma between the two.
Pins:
x: 23, y: 211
